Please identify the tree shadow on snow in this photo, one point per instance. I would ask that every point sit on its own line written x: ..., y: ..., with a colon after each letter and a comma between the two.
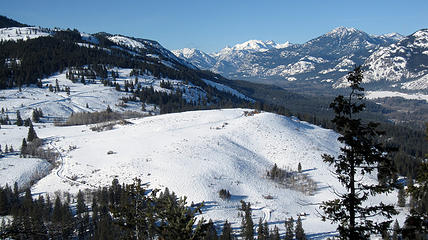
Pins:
x: 237, y: 197
x: 322, y: 235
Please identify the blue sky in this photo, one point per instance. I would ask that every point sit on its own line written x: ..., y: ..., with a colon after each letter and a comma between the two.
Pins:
x: 211, y: 25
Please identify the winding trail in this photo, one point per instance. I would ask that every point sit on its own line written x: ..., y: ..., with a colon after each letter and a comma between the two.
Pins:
x: 60, y: 170
x: 266, y: 214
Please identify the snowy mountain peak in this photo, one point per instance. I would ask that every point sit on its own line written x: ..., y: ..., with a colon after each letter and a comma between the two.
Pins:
x: 342, y: 31
x: 198, y: 58
x: 421, y: 38
x: 187, y: 52
x: 128, y: 42
x: 255, y: 45
x: 393, y: 36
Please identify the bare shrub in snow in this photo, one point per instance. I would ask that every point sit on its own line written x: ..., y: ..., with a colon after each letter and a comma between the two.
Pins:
x: 292, y: 179
x: 86, y: 118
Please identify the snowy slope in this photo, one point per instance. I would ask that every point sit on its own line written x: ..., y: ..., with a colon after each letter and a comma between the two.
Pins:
x: 196, y: 57
x: 198, y: 153
x: 402, y: 65
x: 22, y: 33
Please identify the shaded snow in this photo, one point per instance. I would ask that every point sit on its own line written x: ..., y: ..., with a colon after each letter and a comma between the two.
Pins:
x: 128, y: 42
x: 228, y: 89
x: 384, y: 94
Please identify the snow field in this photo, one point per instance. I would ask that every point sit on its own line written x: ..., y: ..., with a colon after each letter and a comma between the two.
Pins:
x: 195, y: 154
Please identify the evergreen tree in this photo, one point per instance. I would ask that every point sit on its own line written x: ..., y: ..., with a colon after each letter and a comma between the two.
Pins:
x: 24, y: 147
x: 211, y: 233
x: 81, y: 206
x: 360, y: 153
x: 401, y: 197
x: 416, y: 225
x: 289, y: 229
x: 227, y: 232
x: 300, y: 233
x: 57, y: 211
x: 299, y: 168
x: 31, y: 134
x: 36, y: 116
x: 27, y: 122
x: 396, y: 231
x: 57, y: 89
x: 266, y: 230
x: 247, y: 225
x: 260, y: 230
x: 275, y: 234
x: 108, y: 110
x: 19, y: 121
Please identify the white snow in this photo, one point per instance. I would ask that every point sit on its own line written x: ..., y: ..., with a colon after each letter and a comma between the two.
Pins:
x: 418, y: 84
x: 89, y: 38
x: 298, y: 68
x: 22, y: 33
x: 384, y: 94
x: 198, y: 153
x: 21, y: 170
x: 84, y: 98
x: 128, y: 42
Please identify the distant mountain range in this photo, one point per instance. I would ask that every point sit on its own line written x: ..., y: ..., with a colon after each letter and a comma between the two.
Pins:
x: 391, y: 61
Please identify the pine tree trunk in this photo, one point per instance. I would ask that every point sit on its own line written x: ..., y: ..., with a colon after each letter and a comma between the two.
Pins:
x: 352, y: 232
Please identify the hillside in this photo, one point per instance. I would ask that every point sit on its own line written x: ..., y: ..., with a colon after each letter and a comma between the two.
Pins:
x: 161, y: 134
x: 6, y: 22
x: 198, y: 153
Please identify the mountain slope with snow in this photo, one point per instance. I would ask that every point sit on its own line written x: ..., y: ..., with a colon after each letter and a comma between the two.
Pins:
x: 321, y: 61
x: 198, y: 153
x: 404, y: 64
x: 196, y: 57
x: 23, y: 33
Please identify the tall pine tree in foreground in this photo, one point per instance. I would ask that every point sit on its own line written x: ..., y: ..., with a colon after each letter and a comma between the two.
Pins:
x: 360, y: 155
x: 416, y: 224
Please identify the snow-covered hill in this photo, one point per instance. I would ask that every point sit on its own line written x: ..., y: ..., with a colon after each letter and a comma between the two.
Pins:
x: 198, y: 153
x: 88, y: 97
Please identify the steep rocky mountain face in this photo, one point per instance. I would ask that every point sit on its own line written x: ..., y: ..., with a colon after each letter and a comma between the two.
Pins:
x: 196, y: 57
x: 400, y: 66
x: 321, y: 62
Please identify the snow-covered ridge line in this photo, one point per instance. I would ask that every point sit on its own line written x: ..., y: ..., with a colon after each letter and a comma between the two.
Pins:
x: 22, y: 33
